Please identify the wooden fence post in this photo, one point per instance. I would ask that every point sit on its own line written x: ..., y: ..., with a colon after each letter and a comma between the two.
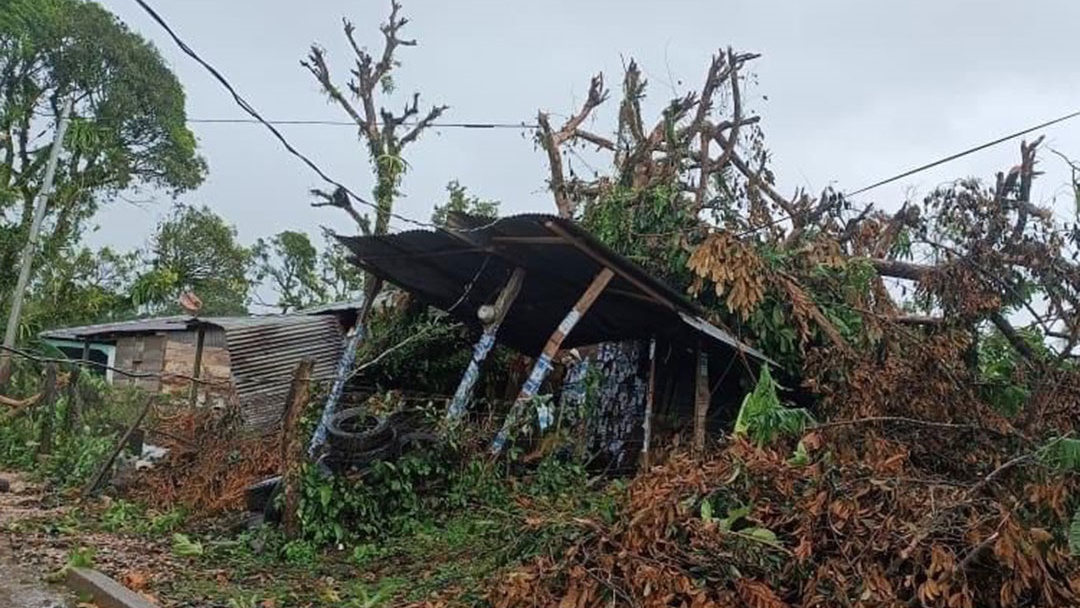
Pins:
x: 72, y: 413
x: 292, y: 446
x: 197, y: 372
x: 48, y: 410
x: 650, y: 398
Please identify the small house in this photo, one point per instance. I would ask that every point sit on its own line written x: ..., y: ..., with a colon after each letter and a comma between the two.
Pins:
x: 215, y: 360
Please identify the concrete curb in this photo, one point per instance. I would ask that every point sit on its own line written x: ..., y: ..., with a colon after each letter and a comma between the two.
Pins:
x: 106, y: 592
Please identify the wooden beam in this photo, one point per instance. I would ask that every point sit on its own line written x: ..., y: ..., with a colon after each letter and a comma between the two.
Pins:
x: 455, y: 410
x: 48, y: 407
x: 197, y: 372
x: 655, y: 295
x: 701, y: 400
x: 292, y: 446
x: 543, y: 363
x: 107, y: 465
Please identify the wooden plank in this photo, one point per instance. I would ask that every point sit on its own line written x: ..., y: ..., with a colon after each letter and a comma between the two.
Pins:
x: 197, y: 367
x: 455, y: 410
x: 701, y: 400
x: 530, y: 240
x: 90, y: 489
x: 543, y: 363
x: 73, y: 412
x: 655, y: 295
x: 582, y: 306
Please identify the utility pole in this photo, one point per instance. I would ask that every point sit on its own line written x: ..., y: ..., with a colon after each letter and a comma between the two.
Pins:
x: 31, y: 245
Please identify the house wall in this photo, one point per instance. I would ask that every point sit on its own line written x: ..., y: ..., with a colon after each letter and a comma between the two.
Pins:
x: 140, y: 353
x: 216, y: 372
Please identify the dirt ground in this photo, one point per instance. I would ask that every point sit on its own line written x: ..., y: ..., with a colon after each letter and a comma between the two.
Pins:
x: 21, y: 583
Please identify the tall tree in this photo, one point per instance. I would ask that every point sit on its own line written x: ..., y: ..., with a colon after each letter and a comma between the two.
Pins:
x: 194, y: 249
x: 341, y: 279
x: 290, y: 263
x: 386, y: 133
x: 128, y: 123
x: 460, y: 201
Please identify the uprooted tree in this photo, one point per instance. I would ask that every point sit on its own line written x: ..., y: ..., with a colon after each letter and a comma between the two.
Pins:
x: 943, y: 470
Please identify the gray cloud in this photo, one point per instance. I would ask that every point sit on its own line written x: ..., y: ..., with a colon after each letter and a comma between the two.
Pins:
x: 856, y: 90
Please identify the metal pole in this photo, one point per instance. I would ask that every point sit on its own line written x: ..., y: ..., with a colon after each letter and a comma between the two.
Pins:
x: 31, y: 244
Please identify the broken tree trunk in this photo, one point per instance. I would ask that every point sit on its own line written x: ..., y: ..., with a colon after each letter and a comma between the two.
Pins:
x: 292, y: 446
x: 463, y: 395
x: 701, y: 400
x: 543, y: 363
x: 48, y: 410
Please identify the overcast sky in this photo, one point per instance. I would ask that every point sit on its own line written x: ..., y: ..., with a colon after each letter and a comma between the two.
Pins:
x: 851, y: 91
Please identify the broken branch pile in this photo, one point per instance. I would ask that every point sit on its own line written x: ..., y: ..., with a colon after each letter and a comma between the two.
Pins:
x: 860, y: 525
x: 210, y: 472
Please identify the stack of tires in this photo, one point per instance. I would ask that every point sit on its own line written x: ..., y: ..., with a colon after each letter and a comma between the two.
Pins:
x: 355, y: 440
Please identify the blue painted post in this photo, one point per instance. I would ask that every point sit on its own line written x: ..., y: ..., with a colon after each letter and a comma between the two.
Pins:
x: 543, y: 363
x: 463, y: 395
x: 341, y: 377
x: 456, y: 410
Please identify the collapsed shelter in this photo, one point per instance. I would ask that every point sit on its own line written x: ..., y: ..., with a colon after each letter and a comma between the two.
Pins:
x: 540, y: 284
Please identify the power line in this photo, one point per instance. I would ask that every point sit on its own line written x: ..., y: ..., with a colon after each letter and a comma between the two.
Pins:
x: 953, y: 157
x: 344, y: 123
x: 248, y: 108
x: 930, y: 165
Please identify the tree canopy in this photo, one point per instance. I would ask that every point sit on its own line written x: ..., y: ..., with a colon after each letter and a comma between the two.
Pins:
x: 127, y: 124
x: 194, y: 249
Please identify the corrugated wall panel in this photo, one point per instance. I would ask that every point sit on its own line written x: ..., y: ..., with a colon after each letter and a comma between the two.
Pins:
x: 264, y: 357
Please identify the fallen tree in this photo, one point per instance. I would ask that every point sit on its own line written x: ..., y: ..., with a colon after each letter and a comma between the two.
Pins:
x: 937, y: 340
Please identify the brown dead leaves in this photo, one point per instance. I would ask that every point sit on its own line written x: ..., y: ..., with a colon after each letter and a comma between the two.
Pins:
x: 733, y: 268
x: 862, y: 525
x: 211, y: 473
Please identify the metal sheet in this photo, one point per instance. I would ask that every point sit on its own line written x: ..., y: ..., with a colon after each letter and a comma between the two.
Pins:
x: 461, y: 270
x: 264, y: 355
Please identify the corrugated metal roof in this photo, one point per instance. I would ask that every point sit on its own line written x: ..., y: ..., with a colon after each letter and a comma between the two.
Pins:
x: 463, y: 268
x: 137, y: 326
x: 105, y: 331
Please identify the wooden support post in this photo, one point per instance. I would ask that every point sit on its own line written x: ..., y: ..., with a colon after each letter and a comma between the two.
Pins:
x: 701, y: 400
x: 292, y: 446
x: 353, y: 338
x: 650, y: 397
x: 197, y: 372
x: 456, y: 409
x: 542, y: 366
x: 100, y: 475
x: 48, y: 410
